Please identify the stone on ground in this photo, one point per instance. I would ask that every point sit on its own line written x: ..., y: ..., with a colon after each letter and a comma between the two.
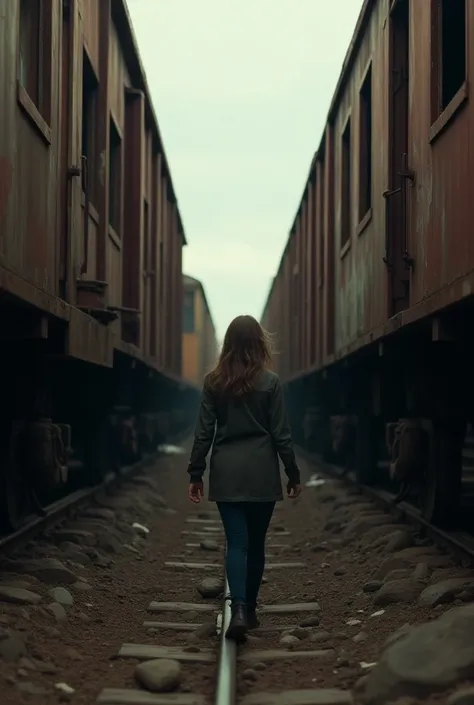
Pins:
x: 433, y: 656
x: 465, y: 696
x: 397, y: 591
x: 444, y: 592
x: 159, y: 676
x: 61, y: 596
x: 47, y: 570
x: 209, y: 545
x: 18, y: 596
x: 211, y: 587
x: 58, y: 611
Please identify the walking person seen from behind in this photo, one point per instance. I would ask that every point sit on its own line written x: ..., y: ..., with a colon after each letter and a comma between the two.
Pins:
x: 243, y: 416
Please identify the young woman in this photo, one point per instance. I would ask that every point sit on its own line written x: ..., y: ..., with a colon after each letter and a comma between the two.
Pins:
x: 243, y: 417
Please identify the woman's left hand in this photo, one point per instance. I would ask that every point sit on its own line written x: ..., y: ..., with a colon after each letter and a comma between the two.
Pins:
x: 195, y: 491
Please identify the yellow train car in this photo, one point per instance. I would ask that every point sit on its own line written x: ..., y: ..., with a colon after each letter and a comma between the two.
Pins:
x: 199, y: 349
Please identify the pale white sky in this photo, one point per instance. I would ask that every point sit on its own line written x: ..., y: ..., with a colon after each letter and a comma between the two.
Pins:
x: 241, y: 89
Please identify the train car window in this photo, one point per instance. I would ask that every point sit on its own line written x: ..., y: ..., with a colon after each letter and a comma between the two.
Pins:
x: 365, y: 145
x: 346, y: 181
x: 34, y: 61
x: 449, y: 51
x: 115, y: 178
x: 188, y: 312
x: 90, y: 88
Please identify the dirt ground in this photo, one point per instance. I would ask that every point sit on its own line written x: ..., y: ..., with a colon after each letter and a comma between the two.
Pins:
x: 113, y: 571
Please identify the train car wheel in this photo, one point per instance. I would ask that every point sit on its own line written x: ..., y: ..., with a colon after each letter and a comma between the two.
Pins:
x: 441, y: 491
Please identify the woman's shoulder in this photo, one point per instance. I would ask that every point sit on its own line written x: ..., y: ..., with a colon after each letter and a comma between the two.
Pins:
x: 267, y: 380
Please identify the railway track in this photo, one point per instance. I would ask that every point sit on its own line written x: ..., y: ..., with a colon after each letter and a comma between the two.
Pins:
x: 460, y: 543
x: 71, y: 503
x: 155, y: 616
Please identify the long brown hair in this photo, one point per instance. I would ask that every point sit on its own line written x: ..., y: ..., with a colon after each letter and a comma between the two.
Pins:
x: 245, y: 353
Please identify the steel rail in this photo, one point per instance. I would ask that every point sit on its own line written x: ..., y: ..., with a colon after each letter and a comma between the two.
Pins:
x: 227, y: 667
x: 459, y: 542
x: 61, y: 509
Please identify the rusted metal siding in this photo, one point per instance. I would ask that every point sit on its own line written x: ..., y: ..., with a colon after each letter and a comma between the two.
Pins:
x: 43, y: 231
x: 90, y: 10
x: 440, y: 238
x: 119, y: 78
x: 133, y: 211
x: 28, y: 196
x: 157, y: 234
x: 360, y: 275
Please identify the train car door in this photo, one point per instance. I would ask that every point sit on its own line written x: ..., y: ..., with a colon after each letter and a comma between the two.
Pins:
x: 71, y: 167
x: 397, y: 258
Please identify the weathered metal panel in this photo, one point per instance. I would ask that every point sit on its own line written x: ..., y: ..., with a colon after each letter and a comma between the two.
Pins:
x: 328, y: 249
x: 91, y: 271
x: 360, y: 274
x: 90, y: 13
x: 157, y: 233
x: 28, y: 201
x: 133, y: 207
x: 440, y: 237
x: 119, y: 78
x: 88, y: 340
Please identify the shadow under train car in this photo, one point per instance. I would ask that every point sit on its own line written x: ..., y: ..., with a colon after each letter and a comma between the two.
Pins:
x: 81, y: 424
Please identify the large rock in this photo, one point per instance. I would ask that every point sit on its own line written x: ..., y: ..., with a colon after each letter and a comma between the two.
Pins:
x: 465, y: 696
x: 159, y: 676
x: 431, y: 657
x: 61, y: 596
x: 398, y: 591
x: 47, y: 570
x: 211, y: 587
x: 400, y: 574
x: 445, y: 591
x: 389, y: 565
x: 360, y: 525
x: 18, y: 596
x: 399, y: 540
x: 100, y: 513
x: 74, y: 553
x: 58, y: 611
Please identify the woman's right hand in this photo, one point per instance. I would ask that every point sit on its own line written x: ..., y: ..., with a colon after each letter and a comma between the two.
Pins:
x: 195, y: 491
x: 293, y: 491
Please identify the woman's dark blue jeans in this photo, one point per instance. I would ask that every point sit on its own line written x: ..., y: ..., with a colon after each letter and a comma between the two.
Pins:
x: 245, y: 526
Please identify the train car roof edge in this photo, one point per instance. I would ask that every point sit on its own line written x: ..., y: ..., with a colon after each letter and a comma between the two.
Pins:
x: 122, y: 15
x: 364, y: 15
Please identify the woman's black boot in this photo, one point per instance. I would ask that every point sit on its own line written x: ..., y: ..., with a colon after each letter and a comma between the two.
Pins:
x: 238, y: 623
x: 252, y: 619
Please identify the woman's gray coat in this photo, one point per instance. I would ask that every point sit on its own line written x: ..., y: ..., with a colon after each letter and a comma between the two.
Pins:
x: 248, y: 436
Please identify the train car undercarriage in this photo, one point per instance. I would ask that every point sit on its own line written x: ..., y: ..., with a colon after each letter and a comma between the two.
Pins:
x: 399, y: 414
x: 66, y: 423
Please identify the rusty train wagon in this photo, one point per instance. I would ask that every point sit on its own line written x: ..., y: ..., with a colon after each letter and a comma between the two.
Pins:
x: 200, y: 348
x: 90, y: 254
x: 373, y: 300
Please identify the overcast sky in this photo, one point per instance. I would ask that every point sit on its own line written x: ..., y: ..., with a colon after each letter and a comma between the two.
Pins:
x: 241, y: 89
